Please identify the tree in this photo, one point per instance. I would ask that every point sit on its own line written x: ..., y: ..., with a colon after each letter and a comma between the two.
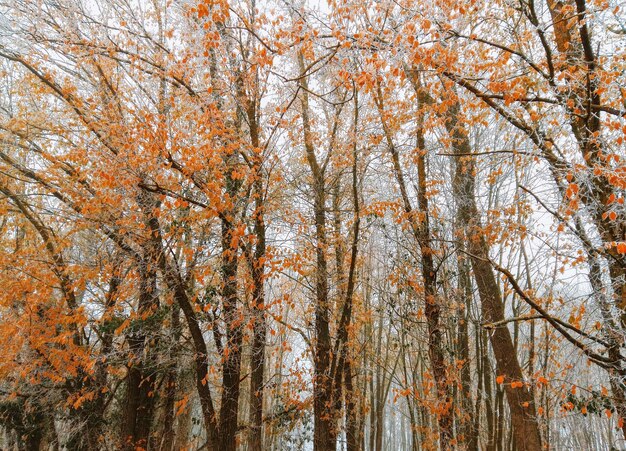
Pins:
x: 264, y: 225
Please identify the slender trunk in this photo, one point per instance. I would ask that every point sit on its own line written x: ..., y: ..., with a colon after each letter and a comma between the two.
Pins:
x: 380, y: 418
x: 257, y: 268
x: 499, y: 418
x: 375, y: 390
x: 352, y: 413
x: 490, y: 410
x: 413, y: 420
x: 351, y: 394
x: 473, y: 443
x: 259, y: 331
x: 421, y: 232
x: 324, y: 435
x: 465, y: 292
x: 168, y: 434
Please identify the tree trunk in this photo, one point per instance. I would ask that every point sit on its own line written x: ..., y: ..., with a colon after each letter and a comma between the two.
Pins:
x: 324, y: 435
x: 231, y: 368
x: 421, y: 233
x: 167, y: 436
x: 521, y: 403
x: 259, y: 325
x: 138, y: 411
x: 346, y: 319
x: 467, y: 431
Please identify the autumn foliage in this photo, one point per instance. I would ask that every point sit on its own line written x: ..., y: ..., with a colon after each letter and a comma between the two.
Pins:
x: 264, y: 225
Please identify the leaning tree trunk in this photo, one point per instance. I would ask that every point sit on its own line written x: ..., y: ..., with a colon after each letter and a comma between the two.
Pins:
x: 521, y: 403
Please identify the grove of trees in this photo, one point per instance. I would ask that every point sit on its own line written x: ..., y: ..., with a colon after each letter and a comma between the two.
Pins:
x: 330, y: 225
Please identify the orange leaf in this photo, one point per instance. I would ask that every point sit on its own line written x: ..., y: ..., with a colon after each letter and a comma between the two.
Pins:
x: 500, y: 380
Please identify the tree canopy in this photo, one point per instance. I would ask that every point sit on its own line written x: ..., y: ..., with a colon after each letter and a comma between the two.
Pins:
x: 340, y: 225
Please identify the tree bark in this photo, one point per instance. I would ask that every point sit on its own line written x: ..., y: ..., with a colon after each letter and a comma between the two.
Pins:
x: 259, y: 327
x: 231, y: 367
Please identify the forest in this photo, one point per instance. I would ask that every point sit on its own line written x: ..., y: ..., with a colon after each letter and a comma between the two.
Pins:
x: 328, y: 225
